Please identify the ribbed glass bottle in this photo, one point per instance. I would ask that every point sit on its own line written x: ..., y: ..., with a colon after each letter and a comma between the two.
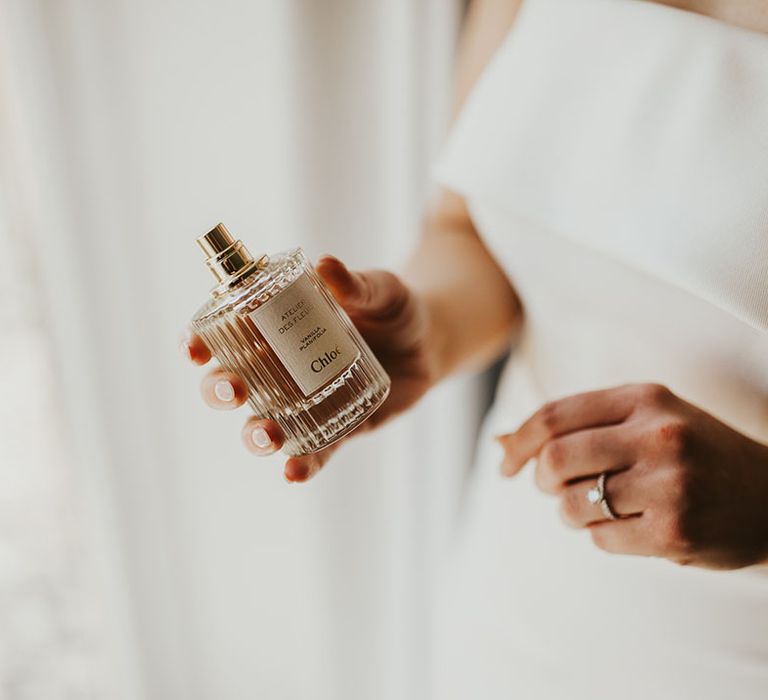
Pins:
x: 305, y: 364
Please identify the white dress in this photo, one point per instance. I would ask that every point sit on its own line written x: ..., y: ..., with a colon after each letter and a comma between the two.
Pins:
x: 614, y: 156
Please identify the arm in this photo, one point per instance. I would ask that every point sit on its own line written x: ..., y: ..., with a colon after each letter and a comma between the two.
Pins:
x: 453, y: 309
x: 472, y: 323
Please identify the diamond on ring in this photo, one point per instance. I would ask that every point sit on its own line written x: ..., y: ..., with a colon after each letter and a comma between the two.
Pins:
x: 597, y: 496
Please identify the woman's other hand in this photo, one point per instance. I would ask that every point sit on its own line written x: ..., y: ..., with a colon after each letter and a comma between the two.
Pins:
x: 684, y: 485
x: 394, y: 322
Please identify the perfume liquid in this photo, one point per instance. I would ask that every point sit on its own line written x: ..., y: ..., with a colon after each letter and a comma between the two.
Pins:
x: 273, y: 322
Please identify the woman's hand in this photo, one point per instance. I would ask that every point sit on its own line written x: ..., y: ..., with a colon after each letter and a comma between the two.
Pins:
x: 686, y: 486
x: 394, y: 322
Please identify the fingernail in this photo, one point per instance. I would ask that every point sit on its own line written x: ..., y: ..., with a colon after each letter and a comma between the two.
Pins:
x: 224, y: 390
x: 260, y: 438
x: 184, y: 349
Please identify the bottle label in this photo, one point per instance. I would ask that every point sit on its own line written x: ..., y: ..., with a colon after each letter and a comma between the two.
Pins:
x: 306, y: 334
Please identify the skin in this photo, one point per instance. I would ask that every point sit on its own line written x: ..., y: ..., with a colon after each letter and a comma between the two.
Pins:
x: 687, y: 487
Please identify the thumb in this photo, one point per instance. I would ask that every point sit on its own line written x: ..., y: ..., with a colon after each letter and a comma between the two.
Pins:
x: 375, y: 292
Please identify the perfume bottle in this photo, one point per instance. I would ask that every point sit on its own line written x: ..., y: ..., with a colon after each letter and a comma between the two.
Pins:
x: 272, y: 321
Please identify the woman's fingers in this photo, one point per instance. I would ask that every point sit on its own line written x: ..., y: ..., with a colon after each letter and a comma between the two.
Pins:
x: 345, y: 285
x: 223, y: 390
x: 623, y: 491
x: 630, y: 536
x: 265, y: 437
x: 194, y: 349
x: 262, y: 436
x: 584, y: 453
x: 303, y: 467
x: 220, y: 389
x: 589, y: 410
x: 375, y: 292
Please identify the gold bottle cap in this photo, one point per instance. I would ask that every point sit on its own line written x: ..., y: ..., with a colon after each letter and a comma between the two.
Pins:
x: 226, y: 257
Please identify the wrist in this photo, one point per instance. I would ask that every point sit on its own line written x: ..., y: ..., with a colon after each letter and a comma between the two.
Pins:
x: 437, y: 342
x: 451, y: 345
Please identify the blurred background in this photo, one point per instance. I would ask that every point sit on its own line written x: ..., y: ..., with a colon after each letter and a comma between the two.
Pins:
x: 143, y: 552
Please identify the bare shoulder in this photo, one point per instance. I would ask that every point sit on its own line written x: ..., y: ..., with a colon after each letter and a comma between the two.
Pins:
x: 488, y: 22
x: 486, y: 25
x: 749, y: 14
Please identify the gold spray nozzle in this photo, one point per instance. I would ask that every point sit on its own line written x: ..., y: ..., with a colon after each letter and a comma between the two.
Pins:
x: 216, y: 241
x: 227, y: 258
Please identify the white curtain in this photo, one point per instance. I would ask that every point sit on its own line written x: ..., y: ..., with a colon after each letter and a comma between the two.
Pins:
x: 129, y: 127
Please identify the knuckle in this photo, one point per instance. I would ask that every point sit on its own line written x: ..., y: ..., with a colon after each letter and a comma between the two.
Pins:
x: 390, y: 297
x: 365, y: 290
x: 390, y: 280
x: 651, y: 394
x: 549, y: 416
x: 677, y: 485
x: 570, y: 507
x: 553, y: 455
x: 543, y: 480
x: 673, y: 539
x: 674, y: 437
x: 550, y: 464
